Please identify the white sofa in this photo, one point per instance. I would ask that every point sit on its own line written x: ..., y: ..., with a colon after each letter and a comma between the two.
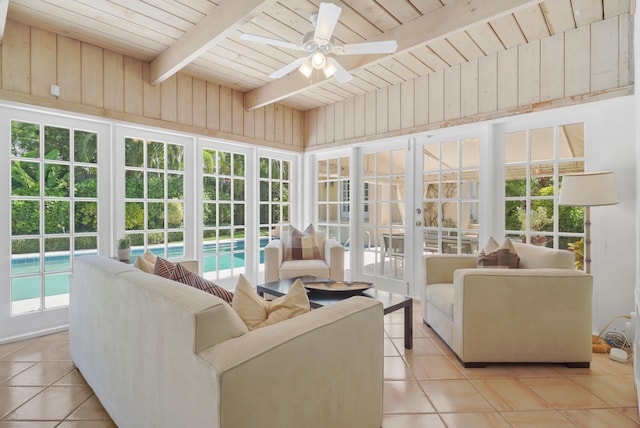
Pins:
x: 539, y: 313
x: 330, y: 265
x: 162, y: 354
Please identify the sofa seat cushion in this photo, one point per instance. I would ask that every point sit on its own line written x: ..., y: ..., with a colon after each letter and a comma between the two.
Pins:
x: 441, y: 296
x: 294, y: 268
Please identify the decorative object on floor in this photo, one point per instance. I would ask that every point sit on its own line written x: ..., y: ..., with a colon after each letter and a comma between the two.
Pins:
x: 589, y: 189
x: 318, y: 44
x: 124, y: 248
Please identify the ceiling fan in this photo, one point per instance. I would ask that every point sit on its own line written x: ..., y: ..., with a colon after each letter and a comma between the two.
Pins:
x: 319, y: 44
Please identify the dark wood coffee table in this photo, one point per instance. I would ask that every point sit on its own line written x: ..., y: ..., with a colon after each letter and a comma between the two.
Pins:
x: 390, y: 301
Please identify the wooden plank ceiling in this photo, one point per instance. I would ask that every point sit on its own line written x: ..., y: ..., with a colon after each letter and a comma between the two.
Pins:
x: 202, y: 37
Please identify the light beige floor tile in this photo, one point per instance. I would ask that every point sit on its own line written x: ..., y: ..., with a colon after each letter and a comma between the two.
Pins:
x: 537, y: 419
x: 395, y: 368
x: 74, y: 377
x: 55, y: 402
x: 617, y: 391
x: 395, y: 331
x: 475, y: 420
x: 510, y: 395
x: 455, y: 396
x: 28, y: 424
x: 8, y: 369
x: 413, y: 421
x: 11, y: 397
x: 87, y: 424
x: 41, y: 374
x: 536, y: 370
x: 599, y: 418
x: 631, y: 413
x: 36, y: 351
x: 90, y: 410
x: 405, y: 396
x: 421, y: 346
x: 9, y: 348
x: 491, y: 372
x: 389, y: 349
x: 563, y: 393
x: 433, y: 367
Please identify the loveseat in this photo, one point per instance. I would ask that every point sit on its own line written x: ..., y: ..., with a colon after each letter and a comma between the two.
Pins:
x: 158, y: 353
x: 538, y: 313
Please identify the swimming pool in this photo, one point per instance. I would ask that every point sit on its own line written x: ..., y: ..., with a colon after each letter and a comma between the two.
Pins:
x: 220, y: 255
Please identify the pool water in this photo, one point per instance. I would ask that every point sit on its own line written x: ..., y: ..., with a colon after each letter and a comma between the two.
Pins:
x: 217, y: 256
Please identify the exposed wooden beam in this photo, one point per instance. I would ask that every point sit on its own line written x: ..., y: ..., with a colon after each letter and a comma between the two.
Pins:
x: 456, y: 16
x: 4, y: 6
x: 226, y: 18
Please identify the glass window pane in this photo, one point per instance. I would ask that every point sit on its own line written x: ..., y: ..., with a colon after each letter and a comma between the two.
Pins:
x: 450, y: 155
x: 25, y: 178
x: 25, y: 256
x: 225, y: 189
x: 25, y: 139
x: 224, y: 163
x: 86, y: 182
x: 85, y: 245
x: 86, y: 217
x: 56, y: 215
x: 209, y: 214
x: 238, y: 215
x: 155, y: 212
x: 175, y: 215
x: 238, y: 190
x: 57, y: 254
x: 56, y: 143
x: 25, y: 294
x: 430, y: 157
x: 571, y: 141
x: 323, y: 170
x: 515, y: 215
x: 134, y: 152
x: 175, y: 157
x: 470, y: 151
x: 571, y: 219
x: 542, y: 142
x: 264, y: 168
x: 275, y: 169
x: 238, y: 165
x: 155, y: 155
x: 25, y: 217
x: 134, y: 215
x: 286, y: 166
x: 369, y: 165
x: 175, y: 186
x: 344, y: 168
x: 85, y: 146
x: 176, y: 244
x: 155, y: 185
x: 209, y: 161
x: 209, y: 188
x: 134, y: 184
x: 56, y: 180
x: 224, y: 214
x: 516, y: 147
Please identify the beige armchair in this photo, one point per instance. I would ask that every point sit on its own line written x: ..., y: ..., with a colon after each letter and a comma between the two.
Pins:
x: 540, y: 312
x: 330, y: 263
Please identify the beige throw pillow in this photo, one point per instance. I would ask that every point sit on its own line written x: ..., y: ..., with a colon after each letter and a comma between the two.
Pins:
x: 257, y: 312
x: 302, y: 245
x: 505, y: 256
x: 146, y: 262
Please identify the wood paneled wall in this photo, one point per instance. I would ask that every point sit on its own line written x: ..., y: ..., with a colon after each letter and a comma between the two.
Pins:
x: 589, y: 63
x: 100, y: 82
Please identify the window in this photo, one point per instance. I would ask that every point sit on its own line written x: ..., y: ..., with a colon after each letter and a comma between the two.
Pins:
x: 275, y: 198
x: 451, y: 180
x: 334, y: 198
x: 535, y: 159
x: 154, y: 196
x: 223, y: 213
x: 54, y: 210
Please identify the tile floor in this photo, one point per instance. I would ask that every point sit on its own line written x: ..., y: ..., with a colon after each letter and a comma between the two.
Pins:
x: 424, y: 387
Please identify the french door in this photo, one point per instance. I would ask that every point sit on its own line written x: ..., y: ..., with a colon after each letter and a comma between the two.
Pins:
x: 57, y: 208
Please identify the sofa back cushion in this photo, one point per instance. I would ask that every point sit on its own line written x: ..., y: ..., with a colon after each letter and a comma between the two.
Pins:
x: 537, y: 257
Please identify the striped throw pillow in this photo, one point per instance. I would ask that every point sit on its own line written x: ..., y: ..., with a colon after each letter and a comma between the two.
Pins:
x: 302, y: 245
x: 184, y: 276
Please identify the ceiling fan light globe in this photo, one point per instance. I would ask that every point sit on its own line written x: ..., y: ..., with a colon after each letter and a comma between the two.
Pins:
x: 329, y: 69
x: 306, y: 68
x: 318, y: 60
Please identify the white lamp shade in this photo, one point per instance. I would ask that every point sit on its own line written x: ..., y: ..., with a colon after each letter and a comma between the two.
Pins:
x: 588, y: 189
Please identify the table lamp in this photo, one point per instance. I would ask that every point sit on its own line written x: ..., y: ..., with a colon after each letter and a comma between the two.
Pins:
x: 588, y: 189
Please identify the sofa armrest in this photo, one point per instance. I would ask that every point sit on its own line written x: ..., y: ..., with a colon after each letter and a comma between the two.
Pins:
x: 273, y: 256
x: 440, y: 267
x: 329, y: 358
x: 334, y: 256
x: 525, y: 315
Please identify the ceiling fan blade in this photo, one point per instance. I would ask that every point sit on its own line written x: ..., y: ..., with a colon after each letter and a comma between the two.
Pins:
x: 341, y: 74
x: 288, y: 68
x: 328, y: 15
x: 385, y: 46
x: 268, y: 41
